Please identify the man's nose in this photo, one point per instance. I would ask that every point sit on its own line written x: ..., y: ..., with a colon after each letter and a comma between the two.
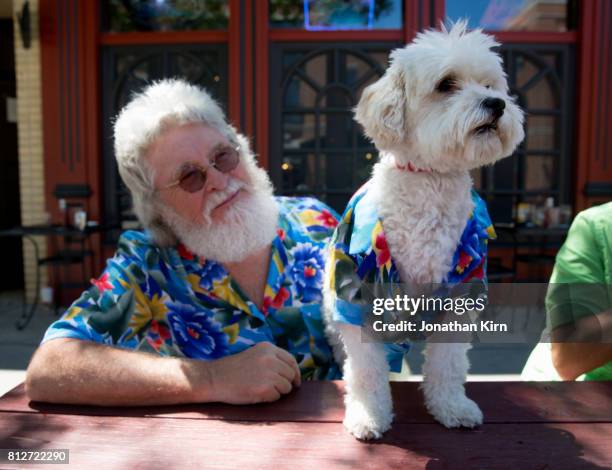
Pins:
x: 215, y: 179
x: 495, y: 105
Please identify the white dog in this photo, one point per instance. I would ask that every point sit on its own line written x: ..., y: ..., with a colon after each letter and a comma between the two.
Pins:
x: 441, y: 109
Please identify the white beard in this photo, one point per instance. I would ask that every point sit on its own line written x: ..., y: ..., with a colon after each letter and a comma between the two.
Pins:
x: 248, y: 226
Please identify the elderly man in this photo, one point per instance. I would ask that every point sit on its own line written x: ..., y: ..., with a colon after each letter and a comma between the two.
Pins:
x: 219, y: 299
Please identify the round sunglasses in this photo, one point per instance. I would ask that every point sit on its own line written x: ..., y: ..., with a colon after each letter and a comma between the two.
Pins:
x: 193, y: 176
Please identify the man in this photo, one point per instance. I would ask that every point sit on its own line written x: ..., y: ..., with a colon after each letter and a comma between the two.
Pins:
x: 223, y: 287
x: 579, y: 304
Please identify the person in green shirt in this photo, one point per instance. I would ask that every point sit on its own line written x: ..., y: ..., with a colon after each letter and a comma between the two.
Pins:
x: 579, y: 304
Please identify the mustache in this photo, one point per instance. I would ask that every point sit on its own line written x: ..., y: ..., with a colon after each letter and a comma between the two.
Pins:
x: 219, y: 197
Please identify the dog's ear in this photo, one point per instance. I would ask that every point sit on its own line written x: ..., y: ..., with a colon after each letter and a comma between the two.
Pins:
x: 382, y: 108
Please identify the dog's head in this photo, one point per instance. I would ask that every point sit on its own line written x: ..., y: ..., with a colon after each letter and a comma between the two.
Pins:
x: 443, y: 103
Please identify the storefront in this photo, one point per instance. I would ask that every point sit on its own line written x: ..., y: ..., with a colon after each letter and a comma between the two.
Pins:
x: 289, y: 73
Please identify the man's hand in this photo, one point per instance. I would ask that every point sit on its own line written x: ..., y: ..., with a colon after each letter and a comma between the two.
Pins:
x: 262, y: 373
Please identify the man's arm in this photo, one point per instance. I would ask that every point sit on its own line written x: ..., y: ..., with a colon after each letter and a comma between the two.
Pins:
x: 82, y: 372
x: 582, y: 346
x: 577, y: 303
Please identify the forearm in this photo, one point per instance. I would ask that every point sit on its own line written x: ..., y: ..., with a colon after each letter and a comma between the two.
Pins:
x: 582, y: 346
x: 574, y: 359
x: 82, y: 372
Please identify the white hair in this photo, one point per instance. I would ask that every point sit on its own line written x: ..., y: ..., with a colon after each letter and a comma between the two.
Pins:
x: 163, y: 104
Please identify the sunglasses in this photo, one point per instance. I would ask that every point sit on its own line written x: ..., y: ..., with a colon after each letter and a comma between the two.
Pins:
x: 193, y: 176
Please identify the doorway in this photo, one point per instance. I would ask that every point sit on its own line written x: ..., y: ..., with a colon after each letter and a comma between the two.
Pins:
x: 10, y: 206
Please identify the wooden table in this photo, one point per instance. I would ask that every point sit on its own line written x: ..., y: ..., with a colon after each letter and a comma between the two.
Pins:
x: 527, y: 426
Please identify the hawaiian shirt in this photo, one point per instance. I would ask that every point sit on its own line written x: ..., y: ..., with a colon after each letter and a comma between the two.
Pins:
x: 170, y: 302
x: 360, y: 256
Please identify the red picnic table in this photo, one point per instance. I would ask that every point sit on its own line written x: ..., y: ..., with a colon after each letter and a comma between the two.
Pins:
x: 527, y: 426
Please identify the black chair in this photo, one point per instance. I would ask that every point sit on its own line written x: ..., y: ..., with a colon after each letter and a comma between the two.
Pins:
x: 73, y: 251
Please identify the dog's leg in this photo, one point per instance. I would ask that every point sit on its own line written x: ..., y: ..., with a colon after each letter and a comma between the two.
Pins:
x: 444, y: 373
x: 368, y: 403
x: 334, y: 340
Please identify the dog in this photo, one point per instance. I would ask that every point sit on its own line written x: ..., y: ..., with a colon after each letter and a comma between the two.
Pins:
x: 441, y: 109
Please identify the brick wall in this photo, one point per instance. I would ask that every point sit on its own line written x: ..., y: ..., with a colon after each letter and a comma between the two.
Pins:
x: 29, y: 128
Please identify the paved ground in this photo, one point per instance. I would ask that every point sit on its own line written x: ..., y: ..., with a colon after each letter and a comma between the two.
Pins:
x: 489, y: 362
x: 17, y: 347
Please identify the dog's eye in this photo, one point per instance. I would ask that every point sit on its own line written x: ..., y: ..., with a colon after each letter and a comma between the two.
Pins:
x: 447, y: 84
x: 487, y: 86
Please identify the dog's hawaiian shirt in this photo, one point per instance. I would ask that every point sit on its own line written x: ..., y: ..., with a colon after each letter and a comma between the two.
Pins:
x: 170, y: 302
x: 360, y: 256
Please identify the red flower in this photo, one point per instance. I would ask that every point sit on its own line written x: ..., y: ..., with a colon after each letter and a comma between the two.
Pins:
x: 155, y: 343
x: 477, y: 273
x: 164, y: 333
x: 184, y: 252
x: 279, y: 299
x: 309, y: 271
x: 384, y: 254
x: 464, y: 260
x: 327, y: 219
x: 160, y: 330
x: 281, y: 234
x: 102, y: 283
x: 193, y: 333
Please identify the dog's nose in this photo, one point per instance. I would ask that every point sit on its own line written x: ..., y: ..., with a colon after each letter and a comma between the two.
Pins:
x: 496, y: 105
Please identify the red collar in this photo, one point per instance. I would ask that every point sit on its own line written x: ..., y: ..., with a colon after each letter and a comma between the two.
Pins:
x: 411, y: 168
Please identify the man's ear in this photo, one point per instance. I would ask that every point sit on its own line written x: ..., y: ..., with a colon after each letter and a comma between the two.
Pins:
x: 382, y: 107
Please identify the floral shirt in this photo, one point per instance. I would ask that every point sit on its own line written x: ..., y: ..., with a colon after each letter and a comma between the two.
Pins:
x: 360, y: 255
x: 170, y: 302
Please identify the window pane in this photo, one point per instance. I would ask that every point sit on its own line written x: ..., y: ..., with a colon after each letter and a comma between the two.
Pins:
x: 300, y: 131
x: 541, y: 95
x: 541, y: 133
x: 299, y: 94
x: 511, y: 15
x: 336, y: 15
x: 336, y: 171
x: 299, y: 172
x: 364, y: 165
x: 321, y: 150
x: 500, y: 209
x: 540, y: 173
x: 338, y: 130
x: 164, y: 15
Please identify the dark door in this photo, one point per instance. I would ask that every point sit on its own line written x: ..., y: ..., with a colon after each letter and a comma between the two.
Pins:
x: 11, y: 278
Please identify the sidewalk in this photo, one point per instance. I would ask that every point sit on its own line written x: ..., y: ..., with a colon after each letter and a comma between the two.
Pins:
x: 17, y: 347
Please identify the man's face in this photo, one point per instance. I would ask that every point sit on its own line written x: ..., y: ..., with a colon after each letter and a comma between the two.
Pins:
x: 233, y: 214
x: 179, y: 150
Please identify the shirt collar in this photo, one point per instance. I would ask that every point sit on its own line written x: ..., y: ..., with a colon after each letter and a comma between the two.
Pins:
x: 365, y: 217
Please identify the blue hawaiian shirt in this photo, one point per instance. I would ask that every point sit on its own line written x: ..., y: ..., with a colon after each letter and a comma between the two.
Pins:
x: 360, y: 255
x: 170, y: 302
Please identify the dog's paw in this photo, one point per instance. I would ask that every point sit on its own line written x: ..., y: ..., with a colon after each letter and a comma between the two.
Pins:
x: 457, y: 412
x: 366, y: 424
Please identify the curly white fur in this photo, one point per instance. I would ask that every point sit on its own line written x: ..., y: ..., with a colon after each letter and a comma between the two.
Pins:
x: 412, y: 118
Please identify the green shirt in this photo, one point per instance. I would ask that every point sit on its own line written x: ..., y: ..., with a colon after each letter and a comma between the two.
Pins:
x: 581, y: 282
